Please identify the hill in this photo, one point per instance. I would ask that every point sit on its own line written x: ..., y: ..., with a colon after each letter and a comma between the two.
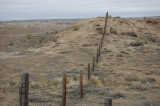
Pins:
x: 128, y: 68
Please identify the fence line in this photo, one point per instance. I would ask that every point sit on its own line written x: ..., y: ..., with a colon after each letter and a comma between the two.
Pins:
x: 24, y: 82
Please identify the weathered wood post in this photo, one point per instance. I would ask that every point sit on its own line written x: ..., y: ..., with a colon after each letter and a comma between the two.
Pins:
x: 20, y: 92
x: 97, y: 55
x: 101, y: 41
x: 23, y: 90
x: 81, y: 84
x: 89, y: 72
x: 99, y: 50
x: 64, y: 90
x: 107, y: 101
x: 106, y: 20
x: 93, y: 65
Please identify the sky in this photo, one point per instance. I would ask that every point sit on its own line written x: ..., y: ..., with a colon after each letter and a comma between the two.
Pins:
x: 75, y: 9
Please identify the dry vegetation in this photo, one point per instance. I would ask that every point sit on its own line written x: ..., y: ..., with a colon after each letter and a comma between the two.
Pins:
x: 128, y: 70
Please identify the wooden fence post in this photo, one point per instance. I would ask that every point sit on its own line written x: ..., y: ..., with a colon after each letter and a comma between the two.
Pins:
x: 101, y: 41
x: 97, y: 55
x: 88, y: 72
x: 81, y: 84
x: 93, y: 65
x: 20, y: 92
x: 64, y: 90
x: 108, y: 102
x: 23, y: 91
x: 106, y: 20
x: 99, y: 50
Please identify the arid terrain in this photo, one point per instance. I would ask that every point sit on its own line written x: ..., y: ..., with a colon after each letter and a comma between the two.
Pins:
x: 128, y: 69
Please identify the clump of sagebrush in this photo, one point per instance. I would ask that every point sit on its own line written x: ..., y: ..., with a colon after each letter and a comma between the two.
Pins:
x: 11, y: 43
x: 151, y: 80
x: 151, y: 21
x: 117, y: 95
x: 156, y: 72
x: 133, y: 34
x: 147, y: 103
x: 132, y: 78
x: 41, y: 38
x: 56, y: 32
x: 75, y: 27
x: 113, y: 31
x: 137, y: 87
x: 33, y: 43
x: 29, y: 36
x: 152, y: 39
x: 137, y: 43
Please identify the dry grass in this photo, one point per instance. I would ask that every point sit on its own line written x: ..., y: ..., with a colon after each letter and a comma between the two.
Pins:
x: 95, y: 82
x: 112, y: 72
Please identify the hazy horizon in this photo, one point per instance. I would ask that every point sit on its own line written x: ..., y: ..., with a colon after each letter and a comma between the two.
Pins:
x: 70, y: 9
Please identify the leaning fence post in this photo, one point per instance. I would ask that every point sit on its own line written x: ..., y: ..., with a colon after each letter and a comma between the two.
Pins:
x: 97, y: 55
x: 101, y: 41
x: 64, y: 90
x: 106, y: 20
x: 88, y: 72
x: 107, y: 101
x: 81, y: 84
x: 23, y: 91
x: 99, y: 50
x: 93, y: 65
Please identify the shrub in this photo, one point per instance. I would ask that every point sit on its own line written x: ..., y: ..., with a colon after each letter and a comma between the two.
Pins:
x: 113, y: 31
x: 133, y: 34
x: 147, y: 103
x: 138, y: 87
x: 56, y: 32
x: 118, y: 95
x: 151, y: 21
x: 29, y: 36
x: 123, y: 33
x: 152, y: 39
x: 33, y: 43
x: 151, y: 80
x: 76, y: 28
x: 137, y: 43
x: 143, y: 81
x: 11, y: 43
x: 156, y: 72
x: 132, y: 78
x: 41, y: 38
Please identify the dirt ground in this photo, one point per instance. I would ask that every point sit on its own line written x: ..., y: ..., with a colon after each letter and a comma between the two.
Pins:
x: 128, y: 70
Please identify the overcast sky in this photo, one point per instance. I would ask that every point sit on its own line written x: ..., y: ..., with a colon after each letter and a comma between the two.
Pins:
x: 51, y: 9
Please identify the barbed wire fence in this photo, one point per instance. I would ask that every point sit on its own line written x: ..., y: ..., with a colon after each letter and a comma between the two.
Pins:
x: 78, y: 90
